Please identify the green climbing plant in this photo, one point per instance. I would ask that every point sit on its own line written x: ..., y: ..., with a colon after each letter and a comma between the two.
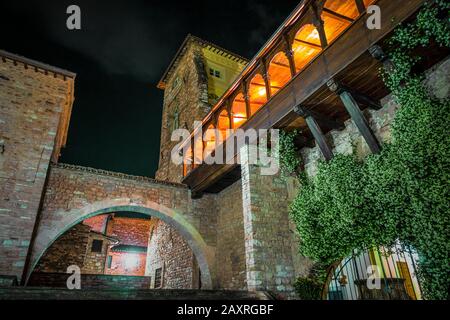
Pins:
x: 401, y: 193
x: 289, y: 158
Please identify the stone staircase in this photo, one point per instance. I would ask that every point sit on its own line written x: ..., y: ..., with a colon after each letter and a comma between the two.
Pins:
x: 46, y: 293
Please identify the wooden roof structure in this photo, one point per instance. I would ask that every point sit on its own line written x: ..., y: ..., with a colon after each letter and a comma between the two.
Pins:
x: 182, y: 50
x: 337, y: 78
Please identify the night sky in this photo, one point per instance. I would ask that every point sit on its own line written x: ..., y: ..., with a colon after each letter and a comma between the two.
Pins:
x: 119, y: 56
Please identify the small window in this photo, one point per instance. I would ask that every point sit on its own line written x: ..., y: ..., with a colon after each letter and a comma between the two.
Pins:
x: 214, y: 73
x: 158, y: 278
x: 109, y: 263
x: 97, y: 245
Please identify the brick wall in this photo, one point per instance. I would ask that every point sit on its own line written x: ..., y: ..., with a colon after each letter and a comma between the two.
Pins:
x: 132, y: 231
x: 97, y: 223
x: 69, y: 249
x: 34, y: 105
x: 74, y: 247
x: 271, y: 244
x: 169, y: 251
x: 73, y: 193
x: 230, y: 257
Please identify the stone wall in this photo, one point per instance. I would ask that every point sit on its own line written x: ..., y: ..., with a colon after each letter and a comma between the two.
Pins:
x: 94, y: 262
x: 90, y: 281
x: 230, y: 257
x: 186, y: 92
x: 34, y: 105
x: 75, y: 193
x: 170, y: 252
x: 349, y: 141
x: 268, y: 239
x: 97, y: 223
x: 69, y: 249
x: 74, y: 247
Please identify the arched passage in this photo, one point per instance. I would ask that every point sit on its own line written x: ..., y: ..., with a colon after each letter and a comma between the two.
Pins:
x: 49, y: 233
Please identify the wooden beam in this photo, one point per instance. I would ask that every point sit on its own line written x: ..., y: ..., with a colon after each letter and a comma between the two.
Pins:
x: 366, y: 100
x: 356, y: 114
x: 257, y: 84
x: 280, y: 64
x: 318, y: 23
x: 354, y: 42
x: 309, y: 44
x: 276, y: 87
x: 336, y: 15
x: 377, y: 52
x: 360, y: 6
x: 360, y: 97
x: 316, y: 131
x: 289, y: 54
x: 265, y: 75
x: 325, y: 120
x: 246, y: 100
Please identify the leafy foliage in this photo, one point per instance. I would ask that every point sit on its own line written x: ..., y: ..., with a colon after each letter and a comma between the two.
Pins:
x: 401, y: 193
x: 308, y: 289
x: 290, y: 161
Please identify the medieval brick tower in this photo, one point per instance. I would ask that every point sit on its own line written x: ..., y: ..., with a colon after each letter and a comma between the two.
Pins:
x: 198, y: 75
x: 35, y: 106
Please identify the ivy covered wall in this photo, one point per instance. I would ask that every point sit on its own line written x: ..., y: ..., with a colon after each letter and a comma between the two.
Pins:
x: 356, y: 200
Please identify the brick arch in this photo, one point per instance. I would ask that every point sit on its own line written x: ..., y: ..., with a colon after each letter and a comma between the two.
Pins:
x: 203, y: 253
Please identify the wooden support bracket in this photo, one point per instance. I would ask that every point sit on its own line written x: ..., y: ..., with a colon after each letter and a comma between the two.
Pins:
x: 356, y: 114
x: 316, y: 131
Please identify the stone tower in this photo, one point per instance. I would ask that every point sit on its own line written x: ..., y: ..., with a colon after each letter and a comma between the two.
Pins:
x: 35, y: 106
x: 196, y: 78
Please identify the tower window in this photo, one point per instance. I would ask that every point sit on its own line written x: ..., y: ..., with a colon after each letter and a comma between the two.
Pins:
x: 214, y: 73
x: 97, y: 245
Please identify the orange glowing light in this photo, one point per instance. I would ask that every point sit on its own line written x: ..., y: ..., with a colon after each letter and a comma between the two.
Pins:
x: 239, y: 111
x: 306, y: 46
x: 314, y: 35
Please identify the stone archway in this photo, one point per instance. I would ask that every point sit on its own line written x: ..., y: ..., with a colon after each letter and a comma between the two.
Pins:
x: 49, y: 233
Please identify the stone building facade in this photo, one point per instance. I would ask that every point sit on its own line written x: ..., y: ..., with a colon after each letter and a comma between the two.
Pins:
x: 199, y: 74
x: 238, y: 238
